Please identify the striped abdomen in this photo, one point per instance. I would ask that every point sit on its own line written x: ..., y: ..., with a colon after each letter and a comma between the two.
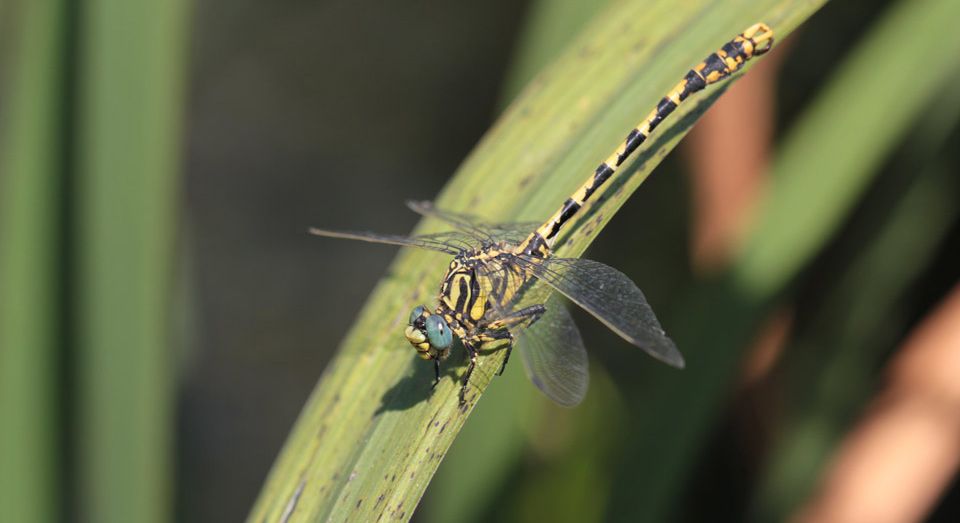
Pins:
x: 756, y: 40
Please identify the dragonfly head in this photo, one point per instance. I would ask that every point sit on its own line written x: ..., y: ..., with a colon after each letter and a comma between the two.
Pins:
x: 429, y: 334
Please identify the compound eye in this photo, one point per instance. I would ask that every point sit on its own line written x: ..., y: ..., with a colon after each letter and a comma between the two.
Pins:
x: 438, y: 332
x: 416, y: 313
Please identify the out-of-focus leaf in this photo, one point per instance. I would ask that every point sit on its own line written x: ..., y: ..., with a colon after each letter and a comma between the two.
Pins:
x: 30, y: 240
x: 832, y: 369
x: 130, y: 98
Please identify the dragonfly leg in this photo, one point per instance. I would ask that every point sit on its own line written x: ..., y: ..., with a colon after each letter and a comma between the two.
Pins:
x: 506, y: 358
x: 499, y: 329
x: 472, y: 352
x: 498, y: 335
x: 436, y: 373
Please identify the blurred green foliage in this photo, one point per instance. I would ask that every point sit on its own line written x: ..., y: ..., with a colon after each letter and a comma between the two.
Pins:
x: 31, y: 167
x: 90, y: 177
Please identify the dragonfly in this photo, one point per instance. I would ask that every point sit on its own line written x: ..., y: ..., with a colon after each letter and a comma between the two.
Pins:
x: 500, y: 286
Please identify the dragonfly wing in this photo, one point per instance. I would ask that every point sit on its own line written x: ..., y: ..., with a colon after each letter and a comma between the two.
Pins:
x: 612, y: 298
x: 551, y: 348
x: 554, y: 357
x: 475, y: 226
x: 449, y: 242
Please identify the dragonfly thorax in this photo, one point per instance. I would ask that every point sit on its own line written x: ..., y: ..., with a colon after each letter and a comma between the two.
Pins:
x: 475, y: 279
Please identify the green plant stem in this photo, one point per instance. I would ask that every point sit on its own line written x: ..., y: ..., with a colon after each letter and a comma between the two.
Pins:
x: 128, y: 143
x: 30, y: 293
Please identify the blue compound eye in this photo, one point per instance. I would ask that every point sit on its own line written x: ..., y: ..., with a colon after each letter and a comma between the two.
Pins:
x: 415, y: 313
x: 438, y: 332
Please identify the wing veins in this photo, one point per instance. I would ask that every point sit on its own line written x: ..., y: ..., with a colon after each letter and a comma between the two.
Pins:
x: 635, y: 321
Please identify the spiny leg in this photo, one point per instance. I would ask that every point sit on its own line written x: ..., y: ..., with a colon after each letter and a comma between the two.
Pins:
x: 506, y: 357
x: 436, y: 373
x: 500, y: 329
x: 472, y: 352
x: 489, y: 336
x: 495, y: 331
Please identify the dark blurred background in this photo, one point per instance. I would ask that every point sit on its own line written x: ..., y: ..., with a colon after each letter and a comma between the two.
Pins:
x: 300, y: 113
x: 308, y: 113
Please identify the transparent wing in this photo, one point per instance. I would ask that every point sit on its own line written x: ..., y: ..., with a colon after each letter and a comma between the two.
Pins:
x: 553, y: 355
x: 475, y: 226
x: 552, y: 350
x: 612, y: 298
x: 507, y: 286
x: 451, y: 242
